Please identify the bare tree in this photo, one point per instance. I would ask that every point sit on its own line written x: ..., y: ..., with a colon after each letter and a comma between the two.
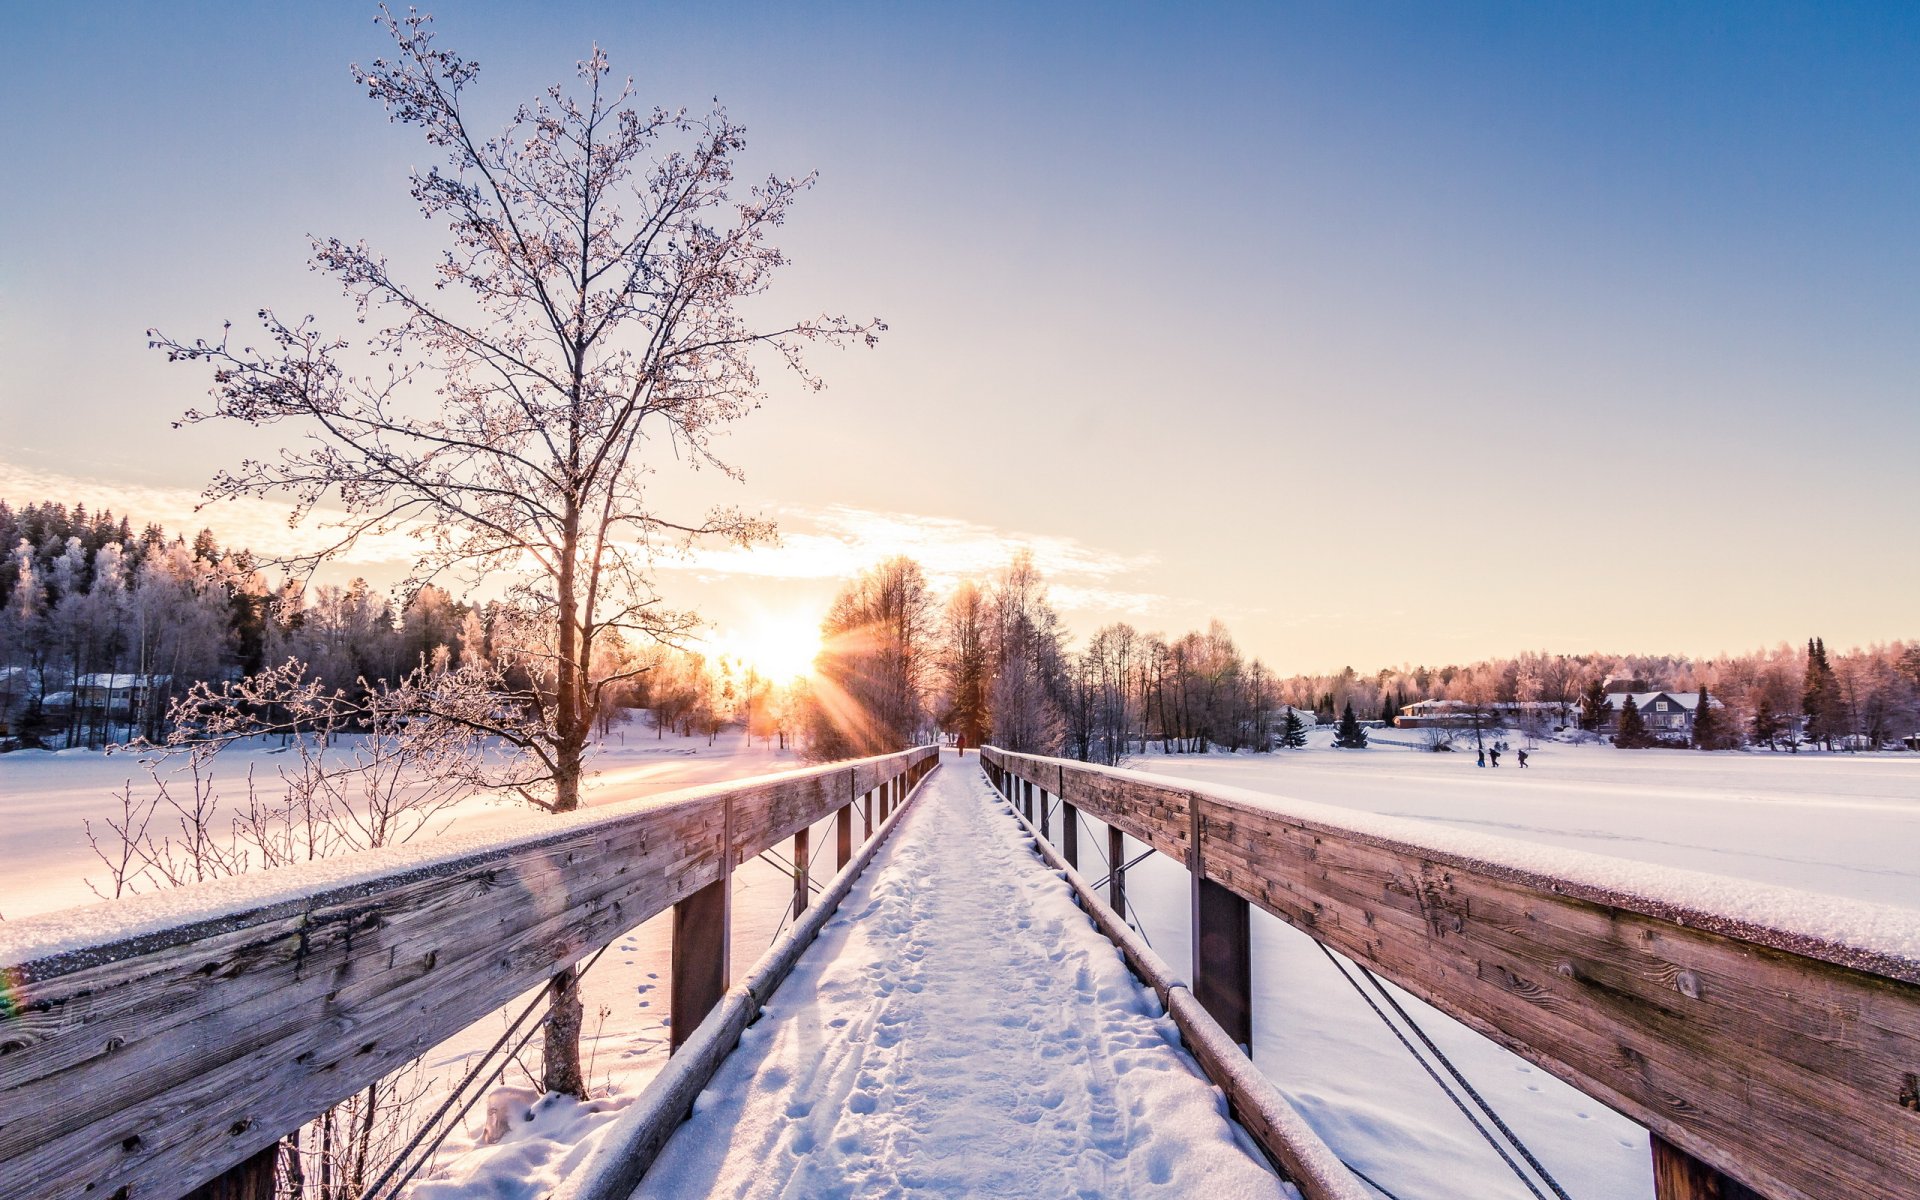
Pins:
x: 869, y: 693
x: 581, y: 327
x: 966, y: 663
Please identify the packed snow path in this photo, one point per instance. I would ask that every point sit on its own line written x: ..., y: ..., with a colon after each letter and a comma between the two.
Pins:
x: 960, y: 1029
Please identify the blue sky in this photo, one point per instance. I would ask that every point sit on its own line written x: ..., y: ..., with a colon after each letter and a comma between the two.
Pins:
x: 1383, y: 332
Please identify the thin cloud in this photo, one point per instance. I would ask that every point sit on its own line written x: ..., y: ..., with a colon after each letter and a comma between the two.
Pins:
x: 839, y: 541
x: 828, y: 543
x: 257, y: 525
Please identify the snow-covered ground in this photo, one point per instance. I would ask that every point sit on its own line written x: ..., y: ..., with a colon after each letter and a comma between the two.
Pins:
x: 46, y: 798
x: 960, y: 1029
x: 1842, y: 824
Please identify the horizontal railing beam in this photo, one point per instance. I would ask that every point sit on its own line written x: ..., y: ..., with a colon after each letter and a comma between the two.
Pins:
x: 153, y: 1060
x: 1775, y: 1055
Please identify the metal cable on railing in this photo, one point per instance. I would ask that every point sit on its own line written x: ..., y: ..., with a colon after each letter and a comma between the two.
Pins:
x: 1519, y: 1172
x: 398, y: 1172
x: 811, y: 886
x: 1369, y: 1180
x: 1131, y: 863
x: 1454, y: 1071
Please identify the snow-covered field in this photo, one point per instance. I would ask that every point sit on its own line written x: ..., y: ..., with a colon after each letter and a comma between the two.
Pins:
x: 1841, y: 824
x: 1838, y: 824
x: 46, y: 798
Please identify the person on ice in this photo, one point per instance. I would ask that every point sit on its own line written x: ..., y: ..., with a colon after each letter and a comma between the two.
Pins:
x: 1522, y: 756
x: 1481, y: 761
x: 1495, y: 755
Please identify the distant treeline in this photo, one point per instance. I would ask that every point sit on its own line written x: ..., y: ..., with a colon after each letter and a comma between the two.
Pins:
x: 102, y: 626
x: 993, y: 663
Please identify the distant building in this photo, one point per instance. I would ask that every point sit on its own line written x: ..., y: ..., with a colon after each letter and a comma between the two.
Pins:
x: 1667, y: 714
x: 117, y: 696
x: 1460, y: 714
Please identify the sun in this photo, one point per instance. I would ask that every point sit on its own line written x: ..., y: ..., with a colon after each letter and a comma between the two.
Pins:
x: 779, y: 647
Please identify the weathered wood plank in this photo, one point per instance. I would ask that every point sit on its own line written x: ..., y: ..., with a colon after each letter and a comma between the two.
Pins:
x: 154, y: 1063
x: 1776, y: 1057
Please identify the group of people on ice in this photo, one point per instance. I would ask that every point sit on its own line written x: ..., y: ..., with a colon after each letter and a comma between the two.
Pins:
x: 1494, y: 753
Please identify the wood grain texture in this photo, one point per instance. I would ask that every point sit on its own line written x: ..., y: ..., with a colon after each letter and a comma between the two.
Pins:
x: 156, y: 1063
x: 1775, y: 1057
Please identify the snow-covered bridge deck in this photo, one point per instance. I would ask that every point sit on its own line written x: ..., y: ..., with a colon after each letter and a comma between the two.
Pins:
x: 960, y: 1028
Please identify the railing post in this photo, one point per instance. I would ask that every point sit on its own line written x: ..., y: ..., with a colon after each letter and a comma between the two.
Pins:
x: 843, y: 836
x: 802, y: 855
x: 702, y: 934
x: 1046, y: 823
x: 250, y: 1180
x: 866, y: 815
x: 1116, y: 872
x: 1026, y: 790
x: 1069, y: 826
x: 1222, y: 942
x: 1678, y: 1175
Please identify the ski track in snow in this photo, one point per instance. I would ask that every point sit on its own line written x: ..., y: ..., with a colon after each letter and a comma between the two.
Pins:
x: 960, y: 1029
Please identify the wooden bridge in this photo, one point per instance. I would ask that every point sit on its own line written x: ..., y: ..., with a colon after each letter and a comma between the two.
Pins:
x: 165, y: 1050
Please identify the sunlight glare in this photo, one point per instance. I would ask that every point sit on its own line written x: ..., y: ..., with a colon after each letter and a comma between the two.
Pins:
x: 780, y: 647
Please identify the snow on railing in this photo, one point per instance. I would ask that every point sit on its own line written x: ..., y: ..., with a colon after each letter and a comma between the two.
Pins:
x: 151, y: 1044
x: 1764, y: 1034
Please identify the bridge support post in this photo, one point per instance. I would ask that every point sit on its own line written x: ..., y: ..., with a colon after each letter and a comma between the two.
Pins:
x: 1678, y: 1175
x: 1070, y: 834
x: 251, y: 1180
x: 1222, y: 942
x: 802, y: 855
x: 1116, y: 872
x: 701, y: 932
x: 843, y: 835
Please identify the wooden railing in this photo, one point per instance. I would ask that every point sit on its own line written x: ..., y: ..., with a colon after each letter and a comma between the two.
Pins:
x: 158, y: 1054
x: 1765, y: 1060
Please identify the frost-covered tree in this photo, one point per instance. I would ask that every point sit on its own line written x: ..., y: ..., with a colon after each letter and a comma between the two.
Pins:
x: 583, y: 328
x: 966, y: 663
x: 875, y: 662
x: 1029, y: 673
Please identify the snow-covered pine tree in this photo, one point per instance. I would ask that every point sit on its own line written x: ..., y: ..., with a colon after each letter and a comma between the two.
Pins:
x: 1632, y: 734
x: 1707, y: 732
x: 1819, y: 698
x: 1350, y: 736
x: 1293, y: 731
x: 1766, y: 722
